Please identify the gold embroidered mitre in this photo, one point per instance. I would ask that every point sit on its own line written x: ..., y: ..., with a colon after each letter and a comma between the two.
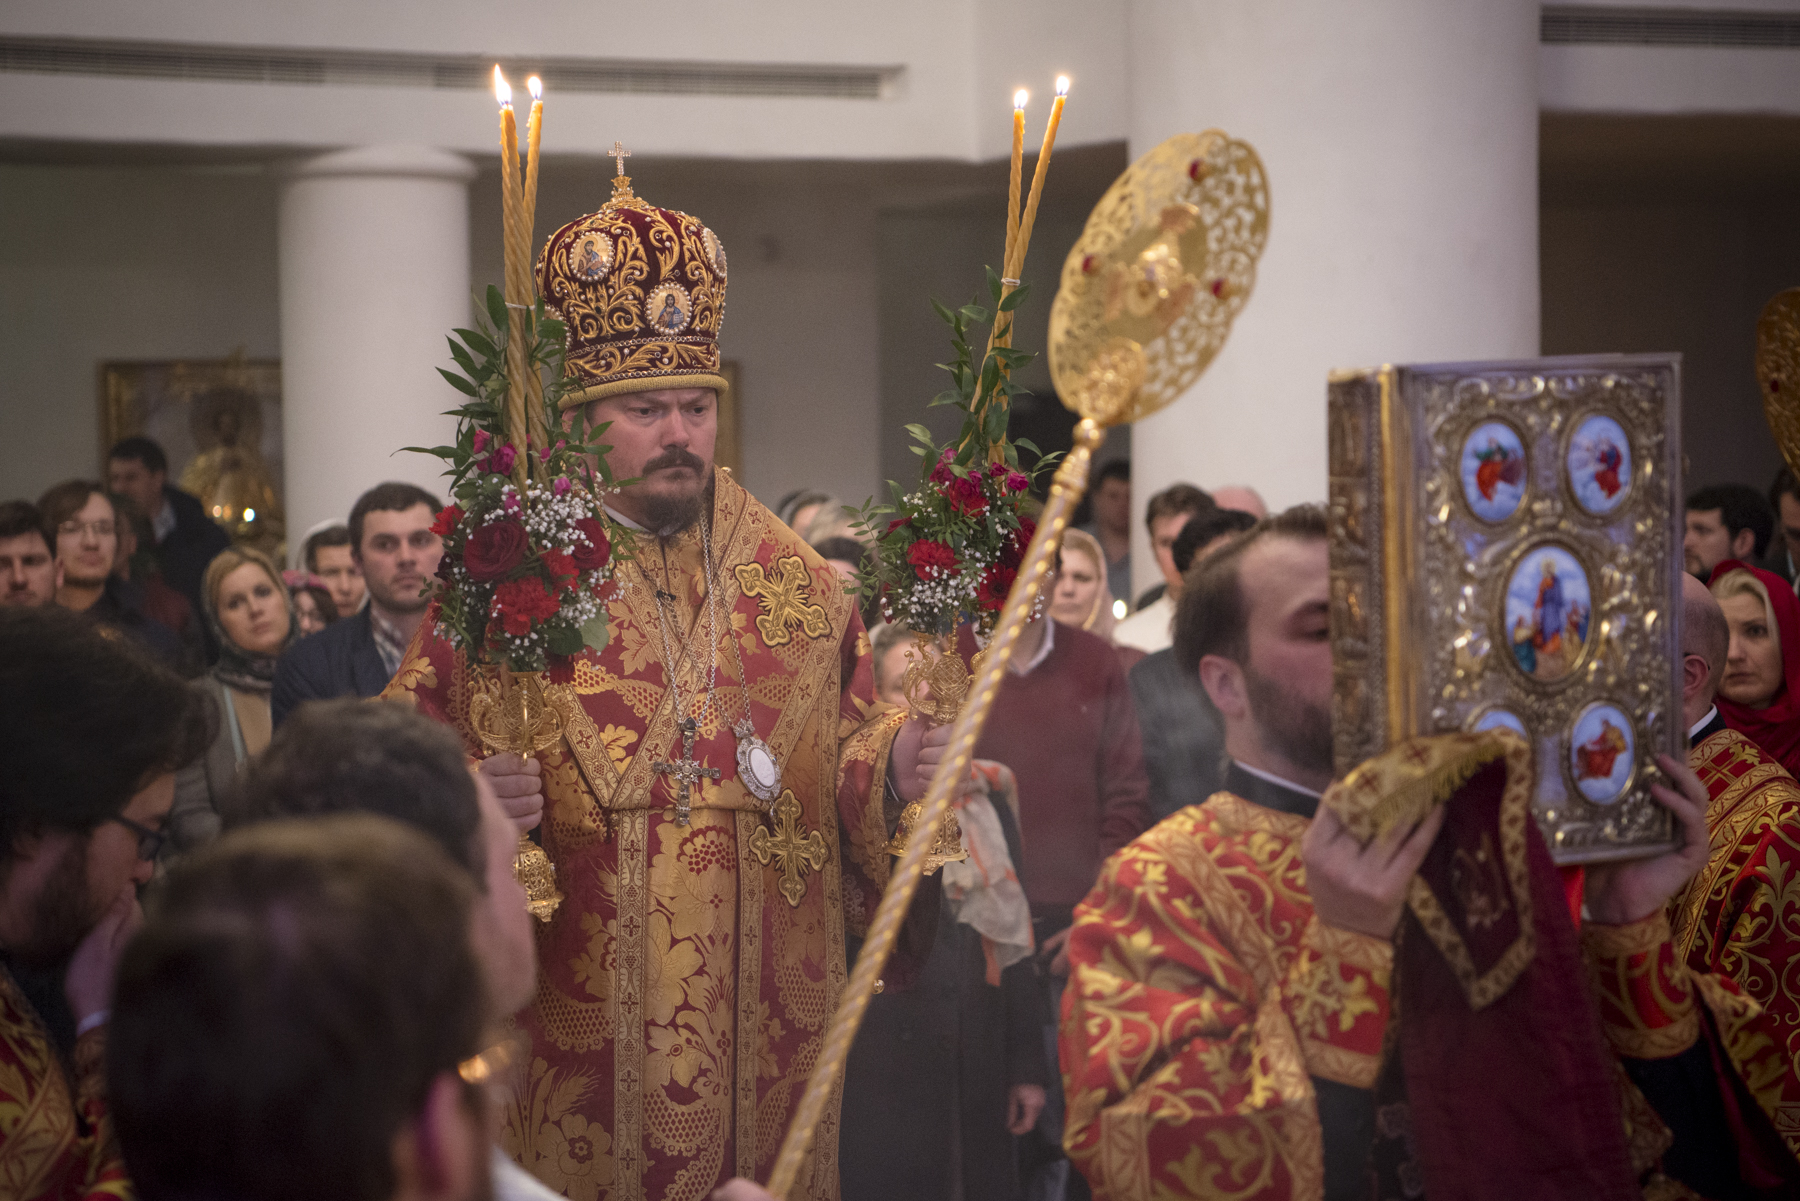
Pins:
x: 642, y: 292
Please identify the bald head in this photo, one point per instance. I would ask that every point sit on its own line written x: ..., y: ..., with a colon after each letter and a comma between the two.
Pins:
x: 1241, y: 497
x: 1704, y: 637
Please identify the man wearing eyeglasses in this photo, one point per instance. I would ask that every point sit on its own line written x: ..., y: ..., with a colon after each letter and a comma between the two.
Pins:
x: 92, y: 733
x: 86, y: 527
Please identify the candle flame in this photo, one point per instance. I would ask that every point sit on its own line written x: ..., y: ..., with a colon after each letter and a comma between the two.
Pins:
x: 502, y: 90
x: 535, y: 86
x: 1020, y: 97
x: 1062, y: 85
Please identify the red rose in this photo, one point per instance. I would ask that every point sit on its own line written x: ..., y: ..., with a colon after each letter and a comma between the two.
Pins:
x: 495, y: 549
x: 930, y: 558
x: 996, y: 582
x: 560, y: 566
x: 447, y: 520
x: 895, y: 524
x: 594, y: 555
x: 1017, y: 482
x: 941, y: 473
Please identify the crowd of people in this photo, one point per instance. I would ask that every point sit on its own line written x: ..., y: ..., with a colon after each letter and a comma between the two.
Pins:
x: 321, y: 1001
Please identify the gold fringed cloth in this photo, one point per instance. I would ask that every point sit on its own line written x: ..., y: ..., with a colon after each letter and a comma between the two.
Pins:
x: 53, y: 1146
x: 686, y: 982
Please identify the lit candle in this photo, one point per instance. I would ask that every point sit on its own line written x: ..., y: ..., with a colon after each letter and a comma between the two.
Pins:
x: 536, y: 427
x: 1017, y: 263
x: 1018, y: 153
x: 513, y: 246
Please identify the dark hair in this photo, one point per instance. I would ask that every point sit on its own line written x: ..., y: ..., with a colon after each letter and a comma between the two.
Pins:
x: 331, y: 535
x: 1199, y: 531
x: 1211, y: 619
x: 1741, y: 507
x: 86, y: 721
x: 20, y: 517
x: 143, y: 450
x: 1112, y: 469
x: 390, y: 497
x: 848, y: 549
x: 296, y: 991
x: 321, y: 597
x: 62, y: 501
x: 1785, y: 485
x: 346, y: 756
x: 1176, y: 498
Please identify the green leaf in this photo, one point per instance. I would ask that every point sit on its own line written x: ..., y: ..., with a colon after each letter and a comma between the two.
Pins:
x: 951, y: 397
x: 496, y: 307
x: 1014, y: 298
x: 995, y: 287
x: 1028, y: 444
x: 595, y: 633
x: 564, y: 639
x: 458, y: 382
x: 943, y: 312
x: 975, y: 313
x: 478, y: 342
x: 920, y: 432
x: 464, y: 359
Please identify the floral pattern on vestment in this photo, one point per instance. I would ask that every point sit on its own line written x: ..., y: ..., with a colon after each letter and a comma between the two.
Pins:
x: 55, y: 1144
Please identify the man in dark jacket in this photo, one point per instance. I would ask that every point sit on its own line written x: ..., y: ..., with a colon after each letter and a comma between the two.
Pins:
x: 186, y: 538
x: 392, y: 538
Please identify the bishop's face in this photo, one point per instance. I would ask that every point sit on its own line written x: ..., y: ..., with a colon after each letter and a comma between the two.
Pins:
x: 664, y: 440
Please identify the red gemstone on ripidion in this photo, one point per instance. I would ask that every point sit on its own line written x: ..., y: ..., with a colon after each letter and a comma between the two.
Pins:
x: 1218, y: 287
x: 1197, y: 169
x: 1774, y: 385
x: 1088, y: 264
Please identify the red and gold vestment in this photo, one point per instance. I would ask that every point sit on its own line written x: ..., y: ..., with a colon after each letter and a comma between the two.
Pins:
x: 1730, y: 939
x: 686, y: 981
x: 1205, y: 996
x: 56, y: 1143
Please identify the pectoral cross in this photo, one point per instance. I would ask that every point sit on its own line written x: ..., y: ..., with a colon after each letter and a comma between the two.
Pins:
x: 686, y: 770
x: 792, y: 847
x: 619, y: 154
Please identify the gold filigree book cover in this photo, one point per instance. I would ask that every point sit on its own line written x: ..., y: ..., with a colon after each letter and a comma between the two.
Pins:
x: 1506, y: 551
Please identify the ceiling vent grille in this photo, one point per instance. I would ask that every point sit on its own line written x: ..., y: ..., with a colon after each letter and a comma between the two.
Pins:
x: 326, y: 68
x: 1592, y: 25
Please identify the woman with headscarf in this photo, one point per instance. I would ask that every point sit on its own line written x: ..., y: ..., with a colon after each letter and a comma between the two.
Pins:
x: 313, y: 607
x: 1759, y: 695
x: 1082, y: 597
x: 252, y: 617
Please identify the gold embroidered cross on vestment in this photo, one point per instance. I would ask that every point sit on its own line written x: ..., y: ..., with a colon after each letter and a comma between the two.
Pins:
x: 686, y: 770
x: 783, y: 599
x: 791, y: 850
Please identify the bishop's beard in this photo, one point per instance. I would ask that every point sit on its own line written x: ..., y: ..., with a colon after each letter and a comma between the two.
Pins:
x: 670, y: 515
x: 1297, y: 728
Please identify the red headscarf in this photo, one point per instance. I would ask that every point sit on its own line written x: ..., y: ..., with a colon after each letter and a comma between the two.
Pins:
x: 1775, y: 729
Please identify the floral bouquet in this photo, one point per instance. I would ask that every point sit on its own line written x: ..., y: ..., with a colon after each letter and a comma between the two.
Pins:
x: 529, y: 550
x: 948, y: 551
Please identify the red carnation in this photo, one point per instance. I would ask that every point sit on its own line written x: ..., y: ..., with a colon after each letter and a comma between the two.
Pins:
x: 930, y: 557
x: 1013, y: 553
x: 996, y: 582
x: 447, y: 520
x: 965, y: 496
x: 560, y: 566
x: 520, y: 602
x: 594, y: 555
x: 495, y: 549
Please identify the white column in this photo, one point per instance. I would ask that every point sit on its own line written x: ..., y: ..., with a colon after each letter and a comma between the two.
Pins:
x: 374, y: 260
x: 1400, y: 140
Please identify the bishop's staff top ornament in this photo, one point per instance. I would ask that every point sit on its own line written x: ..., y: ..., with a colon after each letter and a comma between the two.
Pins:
x: 1191, y: 214
x: 1506, y: 552
x: 1778, y: 371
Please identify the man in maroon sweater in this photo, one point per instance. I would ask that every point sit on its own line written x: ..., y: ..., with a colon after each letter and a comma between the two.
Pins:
x: 1065, y: 723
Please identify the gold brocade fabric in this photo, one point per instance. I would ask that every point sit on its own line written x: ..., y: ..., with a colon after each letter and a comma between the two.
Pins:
x: 1203, y: 995
x: 685, y: 983
x: 56, y: 1144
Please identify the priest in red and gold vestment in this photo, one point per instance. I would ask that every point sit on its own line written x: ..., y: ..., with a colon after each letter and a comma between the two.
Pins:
x: 719, y: 810
x: 1702, y: 997
x: 1230, y: 1029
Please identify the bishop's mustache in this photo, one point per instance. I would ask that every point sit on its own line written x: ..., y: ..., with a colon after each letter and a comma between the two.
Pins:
x: 676, y: 458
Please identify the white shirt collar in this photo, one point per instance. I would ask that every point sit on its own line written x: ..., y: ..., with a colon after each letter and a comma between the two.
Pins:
x: 1703, y: 722
x: 1043, y: 651
x: 1272, y: 778
x: 623, y: 520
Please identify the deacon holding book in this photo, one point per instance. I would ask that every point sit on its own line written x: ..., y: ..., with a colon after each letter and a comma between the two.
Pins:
x: 720, y: 806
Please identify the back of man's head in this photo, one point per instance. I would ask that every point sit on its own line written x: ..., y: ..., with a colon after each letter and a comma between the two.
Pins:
x: 1740, y: 508
x: 139, y: 449
x: 86, y: 722
x: 293, y: 1003
x: 1213, y: 618
x: 1704, y: 633
x: 391, y: 497
x: 1202, y: 531
x: 347, y: 756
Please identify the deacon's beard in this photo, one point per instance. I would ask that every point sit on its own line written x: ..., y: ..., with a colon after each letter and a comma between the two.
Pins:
x: 71, y: 580
x: 1297, y: 729
x: 61, y: 916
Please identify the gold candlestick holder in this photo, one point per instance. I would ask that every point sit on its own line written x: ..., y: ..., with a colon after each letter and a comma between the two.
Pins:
x: 523, y: 713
